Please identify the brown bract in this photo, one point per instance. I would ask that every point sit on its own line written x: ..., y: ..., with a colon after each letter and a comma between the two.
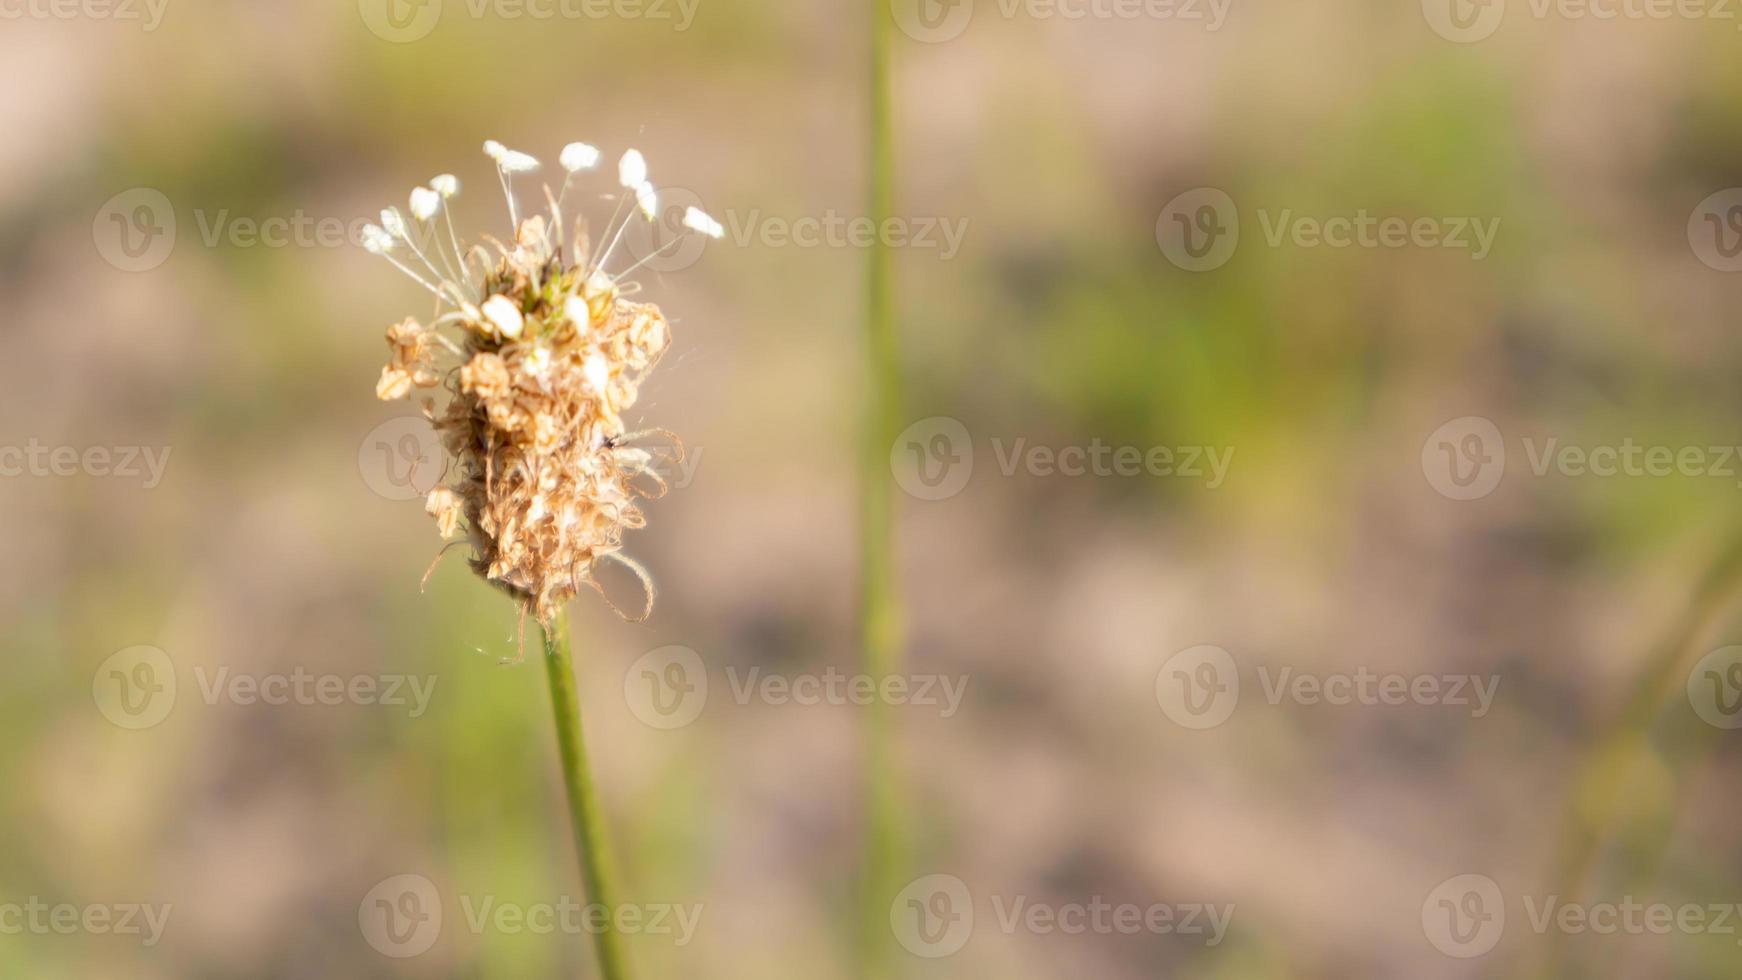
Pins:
x: 543, y: 477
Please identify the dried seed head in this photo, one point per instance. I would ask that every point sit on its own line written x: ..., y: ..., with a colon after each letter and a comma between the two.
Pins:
x: 549, y: 354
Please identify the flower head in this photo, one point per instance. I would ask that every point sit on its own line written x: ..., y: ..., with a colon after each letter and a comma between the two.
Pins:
x: 544, y: 354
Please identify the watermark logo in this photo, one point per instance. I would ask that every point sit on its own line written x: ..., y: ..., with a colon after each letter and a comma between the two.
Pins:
x: 1465, y: 916
x: 935, y: 21
x: 664, y: 244
x: 135, y: 230
x: 666, y: 688
x: 36, y: 917
x: 1715, y: 230
x: 1715, y: 688
x: 932, y: 21
x: 1199, y: 230
x: 933, y: 916
x: 1198, y: 687
x: 400, y: 21
x: 404, y: 21
x: 933, y: 459
x: 135, y: 688
x: 38, y: 459
x: 147, y: 13
x: 401, y: 459
x: 402, y: 916
x: 1464, y: 21
x: 1465, y: 458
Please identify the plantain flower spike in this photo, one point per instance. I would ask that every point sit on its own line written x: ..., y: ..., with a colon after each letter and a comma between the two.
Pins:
x: 542, y: 353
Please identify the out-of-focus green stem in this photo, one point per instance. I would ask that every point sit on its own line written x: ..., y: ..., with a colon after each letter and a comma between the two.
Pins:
x: 583, y: 797
x: 880, y: 614
x: 1590, y: 813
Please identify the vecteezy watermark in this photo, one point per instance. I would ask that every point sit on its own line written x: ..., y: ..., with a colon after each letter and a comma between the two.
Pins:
x: 309, y: 689
x: 664, y: 245
x: 147, y: 13
x: 1199, y: 688
x: 403, y: 21
x: 668, y: 687
x: 933, y: 917
x: 1468, y: 21
x: 36, y: 917
x: 1465, y: 916
x: 1715, y: 230
x: 933, y: 459
x: 35, y: 459
x: 134, y: 231
x: 1715, y: 688
x: 1200, y: 229
x: 402, y: 458
x: 402, y: 917
x: 936, y: 21
x: 1465, y: 459
x: 136, y: 688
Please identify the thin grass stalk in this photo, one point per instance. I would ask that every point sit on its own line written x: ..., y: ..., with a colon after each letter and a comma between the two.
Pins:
x: 597, y: 875
x: 1584, y: 835
x: 885, y: 857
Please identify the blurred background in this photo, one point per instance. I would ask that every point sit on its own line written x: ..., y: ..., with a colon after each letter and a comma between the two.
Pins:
x: 1417, y: 275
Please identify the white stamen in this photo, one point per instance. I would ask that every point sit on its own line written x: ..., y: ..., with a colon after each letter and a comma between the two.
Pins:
x: 597, y: 372
x: 494, y: 150
x: 575, y: 308
x: 424, y: 203
x: 579, y: 156
x: 391, y: 221
x: 695, y: 219
x: 538, y: 362
x: 632, y: 170
x: 378, y: 242
x: 516, y: 162
x: 647, y: 199
x: 502, y: 314
x: 447, y: 185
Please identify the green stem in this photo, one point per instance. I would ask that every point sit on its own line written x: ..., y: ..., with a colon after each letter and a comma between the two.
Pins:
x: 583, y: 796
x: 881, y: 618
x: 1593, y: 810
